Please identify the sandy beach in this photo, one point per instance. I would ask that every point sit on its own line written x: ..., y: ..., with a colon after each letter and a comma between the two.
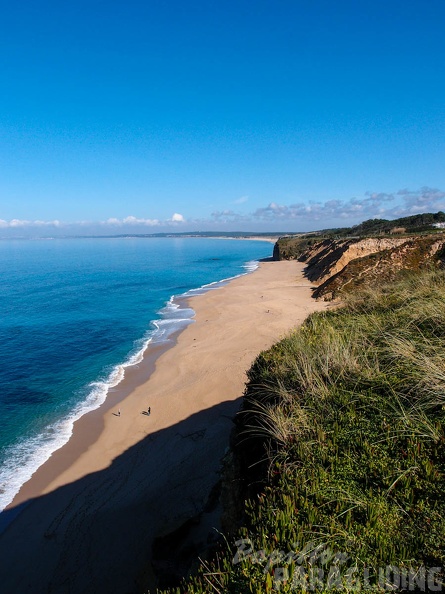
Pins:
x: 91, y: 512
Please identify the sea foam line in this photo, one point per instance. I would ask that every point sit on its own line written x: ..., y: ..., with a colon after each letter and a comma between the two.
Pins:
x: 25, y: 456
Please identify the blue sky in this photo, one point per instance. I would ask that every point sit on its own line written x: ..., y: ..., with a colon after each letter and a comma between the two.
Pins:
x: 286, y: 115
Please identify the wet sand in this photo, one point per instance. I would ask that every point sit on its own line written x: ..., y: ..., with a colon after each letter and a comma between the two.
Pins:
x: 91, y: 512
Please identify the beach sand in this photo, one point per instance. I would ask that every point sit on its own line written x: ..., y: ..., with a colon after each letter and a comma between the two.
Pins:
x: 91, y: 512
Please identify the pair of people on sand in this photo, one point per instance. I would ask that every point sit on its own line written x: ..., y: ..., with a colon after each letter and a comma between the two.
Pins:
x: 148, y: 411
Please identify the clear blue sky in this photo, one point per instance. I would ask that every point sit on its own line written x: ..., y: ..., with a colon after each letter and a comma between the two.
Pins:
x: 201, y: 115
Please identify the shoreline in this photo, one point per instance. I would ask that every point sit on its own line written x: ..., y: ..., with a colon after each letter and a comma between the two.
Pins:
x: 134, y: 374
x: 87, y: 428
x: 193, y: 386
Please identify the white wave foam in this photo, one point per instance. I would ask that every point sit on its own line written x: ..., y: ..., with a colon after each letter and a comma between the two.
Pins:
x: 25, y: 456
x: 251, y: 266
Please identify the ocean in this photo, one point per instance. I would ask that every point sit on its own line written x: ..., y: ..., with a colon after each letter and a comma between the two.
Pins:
x: 74, y: 313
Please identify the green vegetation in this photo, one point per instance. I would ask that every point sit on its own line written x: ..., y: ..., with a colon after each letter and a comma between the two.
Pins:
x: 341, y: 444
x: 291, y: 248
x: 413, y: 224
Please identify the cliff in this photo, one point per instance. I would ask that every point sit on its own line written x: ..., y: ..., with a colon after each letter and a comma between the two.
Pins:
x: 340, y: 265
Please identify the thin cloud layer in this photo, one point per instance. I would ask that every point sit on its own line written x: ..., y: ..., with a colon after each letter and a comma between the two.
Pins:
x: 20, y: 223
x: 300, y: 216
x: 228, y: 216
x: 372, y: 205
x: 131, y: 221
x: 135, y: 221
x: 425, y: 199
x: 241, y: 200
x: 112, y: 225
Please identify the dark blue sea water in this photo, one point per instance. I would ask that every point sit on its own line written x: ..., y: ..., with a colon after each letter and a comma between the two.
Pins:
x: 74, y: 313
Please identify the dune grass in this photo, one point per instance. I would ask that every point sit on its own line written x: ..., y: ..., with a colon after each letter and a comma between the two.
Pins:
x: 342, y: 442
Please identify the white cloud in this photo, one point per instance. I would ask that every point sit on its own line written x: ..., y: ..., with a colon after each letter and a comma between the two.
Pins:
x: 421, y: 201
x: 54, y: 223
x: 130, y: 220
x: 135, y: 221
x: 303, y: 215
x: 241, y: 200
x: 372, y: 205
x: 22, y: 223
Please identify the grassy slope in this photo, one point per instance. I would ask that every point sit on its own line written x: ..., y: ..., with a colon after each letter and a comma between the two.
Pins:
x: 348, y: 421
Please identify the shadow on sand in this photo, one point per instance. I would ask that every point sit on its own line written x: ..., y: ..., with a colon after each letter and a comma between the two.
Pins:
x: 95, y: 535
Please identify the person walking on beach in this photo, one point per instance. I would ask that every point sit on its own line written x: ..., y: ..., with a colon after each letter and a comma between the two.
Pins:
x: 119, y: 412
x: 149, y: 410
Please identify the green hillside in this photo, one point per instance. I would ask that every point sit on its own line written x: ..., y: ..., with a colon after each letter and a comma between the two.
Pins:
x: 339, y: 452
x: 413, y: 224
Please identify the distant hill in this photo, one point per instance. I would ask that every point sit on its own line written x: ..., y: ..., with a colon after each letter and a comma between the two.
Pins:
x: 208, y: 234
x: 419, y: 223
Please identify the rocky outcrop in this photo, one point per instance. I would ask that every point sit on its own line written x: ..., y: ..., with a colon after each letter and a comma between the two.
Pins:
x: 339, y: 265
x: 291, y: 248
x: 383, y: 266
x: 330, y: 257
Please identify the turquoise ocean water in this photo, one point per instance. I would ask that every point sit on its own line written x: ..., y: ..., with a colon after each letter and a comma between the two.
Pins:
x: 75, y: 312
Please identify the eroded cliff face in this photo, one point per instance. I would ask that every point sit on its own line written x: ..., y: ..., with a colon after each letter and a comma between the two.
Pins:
x: 331, y: 256
x: 338, y: 265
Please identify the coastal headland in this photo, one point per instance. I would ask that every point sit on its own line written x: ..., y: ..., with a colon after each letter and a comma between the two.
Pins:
x: 87, y: 519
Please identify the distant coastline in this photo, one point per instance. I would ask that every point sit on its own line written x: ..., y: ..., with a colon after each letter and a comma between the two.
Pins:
x: 204, y: 235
